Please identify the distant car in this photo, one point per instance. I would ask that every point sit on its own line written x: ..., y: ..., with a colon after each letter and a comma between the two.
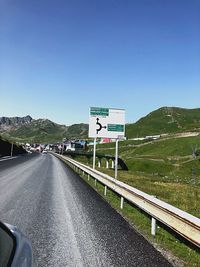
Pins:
x: 44, y: 152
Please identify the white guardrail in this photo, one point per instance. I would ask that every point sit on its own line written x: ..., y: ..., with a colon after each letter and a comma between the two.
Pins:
x: 183, y: 223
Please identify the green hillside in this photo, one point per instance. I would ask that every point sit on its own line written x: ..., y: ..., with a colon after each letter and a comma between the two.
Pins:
x: 165, y: 120
x: 162, y: 157
x: 45, y: 131
x: 77, y: 131
x: 166, y: 168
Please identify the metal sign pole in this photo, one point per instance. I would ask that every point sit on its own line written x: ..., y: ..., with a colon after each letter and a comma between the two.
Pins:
x: 94, y: 153
x: 116, y: 158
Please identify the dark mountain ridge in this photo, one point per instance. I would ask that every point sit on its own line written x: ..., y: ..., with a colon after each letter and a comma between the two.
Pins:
x: 26, y: 129
x: 14, y: 121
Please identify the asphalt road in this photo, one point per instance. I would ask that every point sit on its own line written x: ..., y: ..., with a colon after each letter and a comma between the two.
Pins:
x: 67, y: 222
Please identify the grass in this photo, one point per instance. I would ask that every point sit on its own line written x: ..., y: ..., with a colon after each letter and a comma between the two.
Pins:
x: 173, y: 189
x: 165, y: 120
x: 171, y: 158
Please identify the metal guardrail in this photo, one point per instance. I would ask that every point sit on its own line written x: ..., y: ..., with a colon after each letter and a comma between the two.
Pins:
x: 183, y: 223
x: 73, y: 154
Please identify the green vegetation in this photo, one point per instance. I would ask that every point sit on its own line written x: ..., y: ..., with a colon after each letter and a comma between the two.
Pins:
x: 165, y: 120
x: 46, y: 131
x: 161, y: 121
x: 169, y: 160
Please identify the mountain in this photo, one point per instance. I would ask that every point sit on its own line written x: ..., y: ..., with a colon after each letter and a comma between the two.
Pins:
x: 39, y: 131
x: 77, y: 131
x: 8, y: 123
x: 165, y: 120
x: 161, y: 121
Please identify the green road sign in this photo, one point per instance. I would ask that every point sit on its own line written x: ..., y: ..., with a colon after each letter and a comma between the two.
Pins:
x: 99, y: 112
x: 115, y: 128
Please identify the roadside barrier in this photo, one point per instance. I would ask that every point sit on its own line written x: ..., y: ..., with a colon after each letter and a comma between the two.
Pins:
x: 183, y: 223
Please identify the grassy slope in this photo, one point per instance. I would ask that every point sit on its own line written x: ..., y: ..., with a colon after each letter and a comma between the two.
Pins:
x: 77, y: 131
x: 165, y: 120
x: 164, y: 168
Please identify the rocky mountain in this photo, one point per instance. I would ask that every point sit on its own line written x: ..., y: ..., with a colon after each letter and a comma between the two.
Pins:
x: 29, y: 130
x: 8, y: 123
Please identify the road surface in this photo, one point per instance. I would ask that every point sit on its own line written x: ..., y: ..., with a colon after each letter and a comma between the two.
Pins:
x: 67, y: 222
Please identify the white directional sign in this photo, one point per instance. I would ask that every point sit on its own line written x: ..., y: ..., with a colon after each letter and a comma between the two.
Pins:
x: 106, y: 122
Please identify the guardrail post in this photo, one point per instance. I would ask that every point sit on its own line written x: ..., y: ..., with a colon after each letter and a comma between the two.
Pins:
x: 99, y: 163
x: 107, y: 164
x: 95, y: 182
x: 153, y: 226
x: 122, y: 203
x: 105, y: 190
x: 113, y: 163
x: 83, y: 173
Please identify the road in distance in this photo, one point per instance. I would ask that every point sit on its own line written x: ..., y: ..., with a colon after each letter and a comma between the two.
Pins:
x: 67, y: 222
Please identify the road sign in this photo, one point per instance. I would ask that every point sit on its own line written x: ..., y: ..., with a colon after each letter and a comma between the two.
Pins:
x: 99, y: 111
x: 106, y: 122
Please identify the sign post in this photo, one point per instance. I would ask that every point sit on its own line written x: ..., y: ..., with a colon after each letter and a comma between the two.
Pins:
x: 116, y: 158
x: 106, y: 123
x: 94, y: 153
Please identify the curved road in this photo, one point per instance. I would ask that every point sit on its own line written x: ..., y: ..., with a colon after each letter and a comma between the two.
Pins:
x: 67, y: 223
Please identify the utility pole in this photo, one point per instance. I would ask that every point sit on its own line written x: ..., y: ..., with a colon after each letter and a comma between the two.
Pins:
x: 11, y: 152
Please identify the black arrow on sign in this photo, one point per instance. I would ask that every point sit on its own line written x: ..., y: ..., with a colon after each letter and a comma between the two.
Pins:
x: 100, y: 126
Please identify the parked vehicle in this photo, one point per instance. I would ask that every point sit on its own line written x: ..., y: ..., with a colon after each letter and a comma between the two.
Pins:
x: 72, y: 146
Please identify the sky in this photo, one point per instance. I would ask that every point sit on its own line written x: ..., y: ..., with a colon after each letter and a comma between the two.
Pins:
x: 60, y: 57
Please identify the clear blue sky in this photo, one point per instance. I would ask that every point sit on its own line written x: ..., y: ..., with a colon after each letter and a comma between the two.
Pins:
x: 58, y: 58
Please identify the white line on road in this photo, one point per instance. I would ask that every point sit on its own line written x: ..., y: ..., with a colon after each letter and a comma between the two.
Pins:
x: 8, y: 158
